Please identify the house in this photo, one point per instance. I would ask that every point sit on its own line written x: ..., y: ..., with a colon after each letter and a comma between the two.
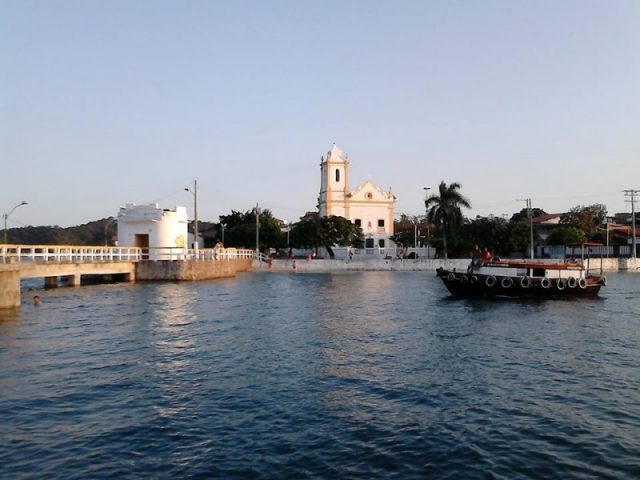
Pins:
x: 161, y: 232
x: 368, y: 205
x: 544, y: 224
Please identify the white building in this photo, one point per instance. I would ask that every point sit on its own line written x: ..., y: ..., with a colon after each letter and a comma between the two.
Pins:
x: 368, y: 206
x: 162, y: 231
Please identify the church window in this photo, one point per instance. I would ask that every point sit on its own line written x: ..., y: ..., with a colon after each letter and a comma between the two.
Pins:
x: 368, y: 242
x: 358, y: 222
x: 337, y: 174
x: 369, y: 195
x: 381, y: 222
x: 381, y: 242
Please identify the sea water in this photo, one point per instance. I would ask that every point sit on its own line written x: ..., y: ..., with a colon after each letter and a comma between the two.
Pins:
x: 352, y: 375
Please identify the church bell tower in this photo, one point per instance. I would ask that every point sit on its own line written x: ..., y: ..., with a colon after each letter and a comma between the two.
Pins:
x: 334, y: 184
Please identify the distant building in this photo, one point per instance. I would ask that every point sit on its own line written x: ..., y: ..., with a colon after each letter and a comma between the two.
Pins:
x: 162, y: 231
x: 544, y: 224
x: 368, y: 206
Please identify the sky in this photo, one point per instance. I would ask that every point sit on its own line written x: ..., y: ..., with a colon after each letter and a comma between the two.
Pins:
x: 108, y: 103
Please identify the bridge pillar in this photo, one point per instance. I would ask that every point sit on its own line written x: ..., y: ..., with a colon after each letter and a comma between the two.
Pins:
x: 72, y: 280
x: 9, y: 289
x: 50, y: 282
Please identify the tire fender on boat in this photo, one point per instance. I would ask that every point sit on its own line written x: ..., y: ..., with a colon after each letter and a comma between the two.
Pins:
x: 572, y: 282
x: 545, y: 283
x: 561, y: 284
x: 525, y: 282
x: 451, y: 277
x: 603, y: 281
x: 582, y: 283
x: 473, y: 279
x: 490, y: 281
x: 506, y: 282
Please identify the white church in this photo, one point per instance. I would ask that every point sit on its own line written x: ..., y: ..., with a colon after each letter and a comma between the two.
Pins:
x: 368, y: 206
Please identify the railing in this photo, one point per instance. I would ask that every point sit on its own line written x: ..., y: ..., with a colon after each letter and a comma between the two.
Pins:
x: 179, y: 253
x: 67, y: 254
x: 84, y: 254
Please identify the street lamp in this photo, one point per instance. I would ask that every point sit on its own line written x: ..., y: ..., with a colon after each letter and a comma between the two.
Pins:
x: 426, y: 196
x: 223, y: 226
x: 6, y: 216
x: 194, y: 192
x: 288, y: 225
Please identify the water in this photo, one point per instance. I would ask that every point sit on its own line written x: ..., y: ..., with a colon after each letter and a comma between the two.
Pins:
x: 358, y: 375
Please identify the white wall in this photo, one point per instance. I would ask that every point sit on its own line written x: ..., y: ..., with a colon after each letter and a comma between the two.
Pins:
x: 165, y: 228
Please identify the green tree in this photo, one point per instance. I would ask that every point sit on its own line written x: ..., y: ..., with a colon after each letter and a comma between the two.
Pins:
x: 566, y: 234
x: 444, y: 210
x: 405, y: 230
x: 240, y: 230
x: 522, y: 215
x: 586, y: 218
x: 313, y: 231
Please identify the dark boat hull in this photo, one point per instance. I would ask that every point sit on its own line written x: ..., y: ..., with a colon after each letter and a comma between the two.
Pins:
x: 475, y: 285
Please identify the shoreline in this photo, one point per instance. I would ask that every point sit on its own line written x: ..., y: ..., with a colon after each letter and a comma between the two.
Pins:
x: 610, y: 265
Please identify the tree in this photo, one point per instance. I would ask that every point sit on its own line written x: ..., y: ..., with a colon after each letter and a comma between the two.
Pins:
x: 444, y: 210
x: 240, y: 230
x: 523, y: 215
x: 586, y: 218
x: 566, y: 234
x: 313, y: 231
x: 405, y: 230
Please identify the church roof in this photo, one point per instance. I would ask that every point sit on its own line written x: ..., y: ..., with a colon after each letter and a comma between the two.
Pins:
x: 336, y: 152
x: 370, y: 186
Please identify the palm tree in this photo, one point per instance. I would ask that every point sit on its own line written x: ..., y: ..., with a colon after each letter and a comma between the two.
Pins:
x: 444, y: 209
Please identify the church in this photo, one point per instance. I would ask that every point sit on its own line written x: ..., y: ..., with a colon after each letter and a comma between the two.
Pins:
x: 368, y: 206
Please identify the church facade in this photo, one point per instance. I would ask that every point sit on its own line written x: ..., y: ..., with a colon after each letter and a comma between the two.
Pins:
x: 368, y: 205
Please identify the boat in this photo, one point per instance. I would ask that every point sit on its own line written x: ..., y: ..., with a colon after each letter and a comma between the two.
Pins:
x: 571, y: 277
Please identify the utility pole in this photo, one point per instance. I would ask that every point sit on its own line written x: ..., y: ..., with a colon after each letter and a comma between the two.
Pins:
x: 530, y: 218
x: 257, y: 232
x: 426, y: 216
x: 194, y: 192
x: 632, y: 193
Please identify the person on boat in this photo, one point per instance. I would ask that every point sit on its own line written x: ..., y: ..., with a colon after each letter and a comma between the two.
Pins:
x: 486, y: 255
x: 476, y: 257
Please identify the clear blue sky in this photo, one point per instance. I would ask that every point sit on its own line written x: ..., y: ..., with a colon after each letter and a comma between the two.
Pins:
x: 105, y: 103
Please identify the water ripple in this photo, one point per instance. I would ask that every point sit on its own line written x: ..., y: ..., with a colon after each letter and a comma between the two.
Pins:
x: 367, y: 375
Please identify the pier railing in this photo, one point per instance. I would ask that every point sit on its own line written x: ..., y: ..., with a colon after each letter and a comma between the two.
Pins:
x: 87, y: 254
x: 67, y: 253
x: 177, y: 253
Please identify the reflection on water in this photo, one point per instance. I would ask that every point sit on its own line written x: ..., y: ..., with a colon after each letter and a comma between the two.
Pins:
x: 363, y: 375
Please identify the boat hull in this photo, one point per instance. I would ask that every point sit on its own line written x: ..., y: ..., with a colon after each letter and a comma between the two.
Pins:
x: 479, y: 285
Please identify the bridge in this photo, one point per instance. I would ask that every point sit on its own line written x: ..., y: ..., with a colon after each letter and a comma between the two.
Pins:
x: 70, y: 263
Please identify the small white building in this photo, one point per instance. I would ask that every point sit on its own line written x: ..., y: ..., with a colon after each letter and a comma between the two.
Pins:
x: 368, y: 206
x: 162, y: 231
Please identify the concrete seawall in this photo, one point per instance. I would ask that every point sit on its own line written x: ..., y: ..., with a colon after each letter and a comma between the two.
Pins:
x: 190, y: 270
x: 316, y: 266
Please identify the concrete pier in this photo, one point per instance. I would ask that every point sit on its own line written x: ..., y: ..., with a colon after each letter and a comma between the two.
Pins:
x: 9, y: 288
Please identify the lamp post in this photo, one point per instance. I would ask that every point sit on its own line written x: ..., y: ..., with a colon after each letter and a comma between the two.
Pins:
x: 194, y: 192
x: 6, y: 216
x: 426, y: 196
x: 257, y: 232
x: 288, y: 225
x: 223, y: 226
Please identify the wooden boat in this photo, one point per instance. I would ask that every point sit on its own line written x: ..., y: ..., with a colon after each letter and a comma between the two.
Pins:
x: 536, y: 278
